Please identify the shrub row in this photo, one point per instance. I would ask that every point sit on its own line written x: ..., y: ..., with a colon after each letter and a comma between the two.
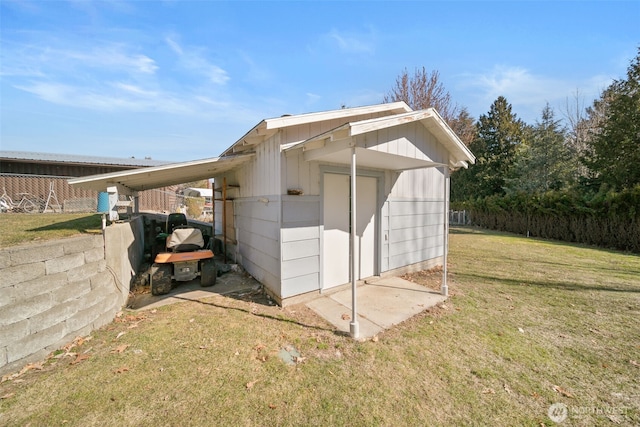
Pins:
x: 608, y: 219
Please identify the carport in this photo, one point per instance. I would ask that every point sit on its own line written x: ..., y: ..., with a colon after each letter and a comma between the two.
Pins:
x: 129, y: 183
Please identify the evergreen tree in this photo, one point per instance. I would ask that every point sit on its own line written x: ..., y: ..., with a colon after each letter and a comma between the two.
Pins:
x: 613, y: 152
x: 499, y: 134
x: 543, y: 162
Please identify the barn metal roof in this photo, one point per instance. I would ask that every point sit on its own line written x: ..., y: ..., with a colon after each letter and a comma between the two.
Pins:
x: 161, y: 176
x: 78, y: 159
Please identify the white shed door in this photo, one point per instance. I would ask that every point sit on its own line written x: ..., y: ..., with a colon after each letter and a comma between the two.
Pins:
x: 336, y: 217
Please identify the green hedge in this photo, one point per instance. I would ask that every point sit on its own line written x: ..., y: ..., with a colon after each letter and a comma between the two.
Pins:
x: 608, y: 219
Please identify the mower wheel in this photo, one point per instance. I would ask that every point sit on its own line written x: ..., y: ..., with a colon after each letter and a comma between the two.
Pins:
x: 160, y: 279
x: 208, y: 272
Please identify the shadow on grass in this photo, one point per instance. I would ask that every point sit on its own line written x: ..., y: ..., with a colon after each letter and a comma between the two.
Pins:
x: 87, y: 224
x: 462, y: 229
x: 567, y: 286
x: 263, y: 315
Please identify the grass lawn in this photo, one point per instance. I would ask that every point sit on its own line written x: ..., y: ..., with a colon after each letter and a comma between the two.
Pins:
x: 529, y: 324
x: 19, y: 228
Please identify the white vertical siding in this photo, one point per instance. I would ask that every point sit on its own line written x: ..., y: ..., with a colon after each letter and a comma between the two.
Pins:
x: 385, y: 234
x: 279, y: 241
x: 298, y: 173
x: 262, y: 174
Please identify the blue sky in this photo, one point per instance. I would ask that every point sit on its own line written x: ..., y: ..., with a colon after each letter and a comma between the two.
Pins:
x: 183, y: 80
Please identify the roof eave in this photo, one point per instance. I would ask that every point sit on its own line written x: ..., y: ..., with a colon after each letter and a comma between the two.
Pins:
x: 267, y: 127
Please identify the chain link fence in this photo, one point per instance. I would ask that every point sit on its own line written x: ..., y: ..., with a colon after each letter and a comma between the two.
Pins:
x: 459, y: 218
x: 44, y: 194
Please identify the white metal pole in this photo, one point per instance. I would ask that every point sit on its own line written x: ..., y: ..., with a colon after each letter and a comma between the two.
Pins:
x: 444, y: 290
x: 354, y: 327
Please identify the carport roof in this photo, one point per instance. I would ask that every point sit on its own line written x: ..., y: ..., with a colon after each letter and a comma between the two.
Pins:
x: 161, y: 176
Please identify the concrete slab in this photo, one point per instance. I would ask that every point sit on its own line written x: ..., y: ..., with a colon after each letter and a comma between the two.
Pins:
x: 192, y: 291
x: 380, y: 305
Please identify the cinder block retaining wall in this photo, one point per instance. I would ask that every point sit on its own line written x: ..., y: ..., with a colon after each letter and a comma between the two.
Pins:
x: 54, y: 291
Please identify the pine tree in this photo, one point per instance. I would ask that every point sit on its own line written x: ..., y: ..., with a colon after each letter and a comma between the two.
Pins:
x: 499, y: 134
x: 613, y: 153
x: 542, y: 163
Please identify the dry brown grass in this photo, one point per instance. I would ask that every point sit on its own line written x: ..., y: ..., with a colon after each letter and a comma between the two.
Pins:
x: 529, y: 323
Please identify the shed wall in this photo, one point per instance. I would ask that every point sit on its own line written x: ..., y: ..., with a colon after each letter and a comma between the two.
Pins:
x: 415, y: 230
x: 279, y: 241
x: 258, y: 239
x: 300, y: 236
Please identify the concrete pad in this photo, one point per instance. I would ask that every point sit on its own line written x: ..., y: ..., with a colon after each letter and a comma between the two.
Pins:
x: 192, y: 291
x: 380, y: 305
x: 333, y: 311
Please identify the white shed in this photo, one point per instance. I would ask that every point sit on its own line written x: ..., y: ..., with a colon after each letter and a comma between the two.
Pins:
x: 293, y: 198
x: 292, y: 183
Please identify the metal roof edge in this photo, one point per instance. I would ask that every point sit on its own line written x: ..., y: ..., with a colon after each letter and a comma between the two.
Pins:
x: 78, y: 159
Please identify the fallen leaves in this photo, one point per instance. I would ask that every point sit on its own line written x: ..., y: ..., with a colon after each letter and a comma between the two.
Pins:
x: 64, y: 351
x: 79, y: 358
x: 345, y: 316
x: 250, y: 384
x: 634, y: 363
x: 120, y: 318
x: 260, y: 354
x: 120, y: 349
x: 506, y: 388
x: 562, y: 391
x: 121, y: 370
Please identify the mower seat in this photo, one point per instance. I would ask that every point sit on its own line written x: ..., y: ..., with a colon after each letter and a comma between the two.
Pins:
x: 175, y: 220
x: 185, y: 239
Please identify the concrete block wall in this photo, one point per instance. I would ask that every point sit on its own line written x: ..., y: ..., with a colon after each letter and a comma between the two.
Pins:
x: 54, y: 291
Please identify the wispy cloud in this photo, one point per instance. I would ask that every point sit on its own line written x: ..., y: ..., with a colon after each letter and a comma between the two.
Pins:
x: 47, y: 59
x: 350, y: 42
x: 174, y: 45
x: 194, y: 60
x: 526, y: 91
x: 114, y: 57
x: 113, y: 76
x: 115, y: 97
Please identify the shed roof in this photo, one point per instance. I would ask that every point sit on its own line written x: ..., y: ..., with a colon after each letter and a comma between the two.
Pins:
x: 267, y: 127
x: 325, y: 146
x: 315, y: 147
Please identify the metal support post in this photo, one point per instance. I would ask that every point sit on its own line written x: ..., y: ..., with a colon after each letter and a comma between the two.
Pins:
x: 354, y: 326
x: 444, y: 290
